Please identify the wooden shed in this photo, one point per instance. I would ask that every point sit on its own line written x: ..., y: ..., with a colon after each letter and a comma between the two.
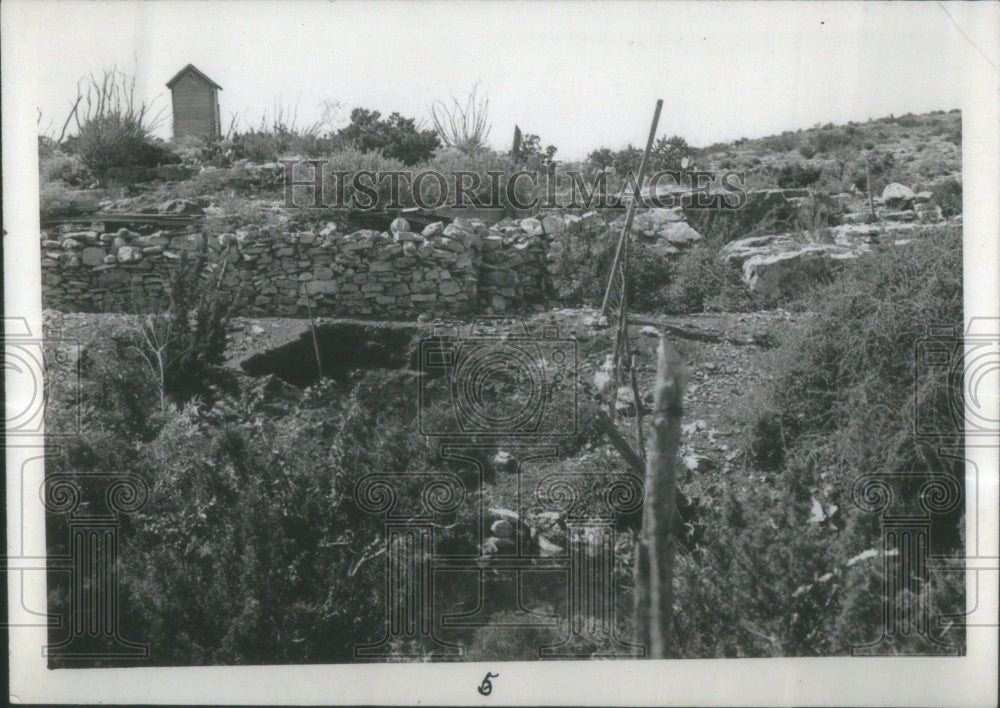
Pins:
x: 195, y: 100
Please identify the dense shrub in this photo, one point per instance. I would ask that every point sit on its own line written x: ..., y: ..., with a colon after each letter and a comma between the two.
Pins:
x: 786, y: 142
x: 859, y: 349
x: 479, y: 162
x: 649, y: 273
x: 581, y: 269
x: 113, y: 129
x: 700, y: 281
x: 116, y: 140
x: 798, y: 175
x: 600, y: 159
x: 395, y: 136
x: 771, y: 577
x: 909, y: 121
x: 54, y: 199
x: 666, y: 154
x: 446, y: 162
x: 948, y: 196
x: 269, y: 144
x: 694, y: 281
x: 829, y: 140
x: 57, y: 165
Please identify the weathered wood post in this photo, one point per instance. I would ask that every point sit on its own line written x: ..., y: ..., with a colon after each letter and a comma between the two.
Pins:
x: 654, y: 562
x: 868, y: 182
x: 630, y: 215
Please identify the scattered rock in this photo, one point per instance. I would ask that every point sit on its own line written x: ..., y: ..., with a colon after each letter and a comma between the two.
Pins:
x: 927, y: 212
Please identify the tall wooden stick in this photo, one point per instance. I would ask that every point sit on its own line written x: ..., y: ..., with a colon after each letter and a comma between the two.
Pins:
x: 654, y: 595
x: 312, y: 326
x: 630, y: 214
x: 868, y: 181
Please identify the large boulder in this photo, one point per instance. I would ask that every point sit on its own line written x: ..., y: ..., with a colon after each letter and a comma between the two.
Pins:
x: 777, y: 265
x: 784, y: 274
x: 664, y: 230
x: 898, y: 196
x: 679, y: 233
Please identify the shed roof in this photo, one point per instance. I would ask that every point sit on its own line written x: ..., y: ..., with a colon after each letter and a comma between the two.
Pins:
x: 193, y: 68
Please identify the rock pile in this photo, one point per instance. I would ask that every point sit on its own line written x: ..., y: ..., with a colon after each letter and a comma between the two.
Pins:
x: 664, y: 230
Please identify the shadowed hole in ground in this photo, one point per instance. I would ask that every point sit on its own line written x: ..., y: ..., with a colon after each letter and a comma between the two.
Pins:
x: 342, y: 346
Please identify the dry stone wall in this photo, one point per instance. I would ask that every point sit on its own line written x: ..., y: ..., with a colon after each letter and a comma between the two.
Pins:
x: 460, y: 268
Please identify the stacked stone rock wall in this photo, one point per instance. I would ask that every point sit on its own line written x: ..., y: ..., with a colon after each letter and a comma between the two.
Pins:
x: 460, y: 268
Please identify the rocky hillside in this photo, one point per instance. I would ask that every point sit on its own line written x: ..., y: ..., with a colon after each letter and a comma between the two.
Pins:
x: 924, y: 150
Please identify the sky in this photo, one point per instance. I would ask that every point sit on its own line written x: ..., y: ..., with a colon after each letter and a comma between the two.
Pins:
x: 582, y: 75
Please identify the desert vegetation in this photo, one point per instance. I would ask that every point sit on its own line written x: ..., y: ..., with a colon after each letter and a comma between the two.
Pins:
x: 253, y: 546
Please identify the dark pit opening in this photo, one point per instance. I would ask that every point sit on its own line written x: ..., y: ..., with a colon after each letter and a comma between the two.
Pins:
x: 343, y: 346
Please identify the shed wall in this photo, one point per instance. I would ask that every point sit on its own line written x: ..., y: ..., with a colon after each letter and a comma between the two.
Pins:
x: 194, y: 106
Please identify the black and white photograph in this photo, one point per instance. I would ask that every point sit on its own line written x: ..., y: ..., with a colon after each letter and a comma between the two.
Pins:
x: 526, y: 353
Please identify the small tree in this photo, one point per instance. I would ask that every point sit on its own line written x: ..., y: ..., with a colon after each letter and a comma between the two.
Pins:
x: 394, y: 136
x: 183, y: 346
x: 601, y: 159
x: 531, y: 146
x: 627, y: 159
x: 668, y: 153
